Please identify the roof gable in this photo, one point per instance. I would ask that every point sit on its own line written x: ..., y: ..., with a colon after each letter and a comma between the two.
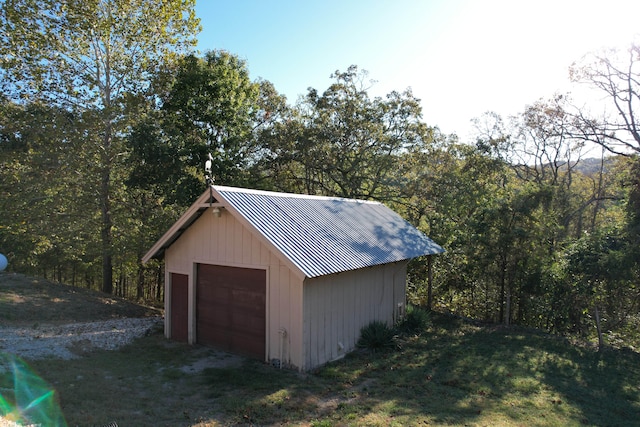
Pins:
x: 322, y: 235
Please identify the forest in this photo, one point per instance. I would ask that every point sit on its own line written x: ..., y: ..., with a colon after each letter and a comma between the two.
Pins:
x: 108, y: 113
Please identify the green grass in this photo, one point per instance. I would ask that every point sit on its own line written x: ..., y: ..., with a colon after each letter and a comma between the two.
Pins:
x: 453, y: 373
x: 443, y: 371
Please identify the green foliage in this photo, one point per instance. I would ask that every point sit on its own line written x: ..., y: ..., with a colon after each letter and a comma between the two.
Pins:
x: 324, y: 423
x: 46, y: 208
x: 377, y: 336
x: 599, y: 257
x: 211, y: 107
x: 631, y: 181
x: 506, y: 210
x: 416, y: 320
x: 343, y: 143
x: 91, y: 53
x: 93, y: 61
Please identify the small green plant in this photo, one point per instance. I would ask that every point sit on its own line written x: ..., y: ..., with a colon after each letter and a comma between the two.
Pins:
x: 377, y: 335
x: 416, y: 320
x: 323, y: 423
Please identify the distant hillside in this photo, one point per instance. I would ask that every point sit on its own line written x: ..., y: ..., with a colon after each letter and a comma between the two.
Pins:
x: 591, y: 166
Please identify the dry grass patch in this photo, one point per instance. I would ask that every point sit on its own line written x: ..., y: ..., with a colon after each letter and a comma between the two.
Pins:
x: 25, y: 301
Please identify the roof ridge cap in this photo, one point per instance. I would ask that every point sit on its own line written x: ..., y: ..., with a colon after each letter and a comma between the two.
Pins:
x: 292, y: 195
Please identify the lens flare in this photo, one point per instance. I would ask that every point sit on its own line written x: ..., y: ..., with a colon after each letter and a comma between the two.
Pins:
x: 25, y: 398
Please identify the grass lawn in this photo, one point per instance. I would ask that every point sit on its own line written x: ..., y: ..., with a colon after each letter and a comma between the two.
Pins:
x: 453, y: 373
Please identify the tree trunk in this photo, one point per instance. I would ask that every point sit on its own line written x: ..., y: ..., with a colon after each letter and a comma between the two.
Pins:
x: 598, y: 195
x: 429, y: 281
x: 503, y: 279
x: 507, y: 310
x: 600, y: 338
x: 159, y: 285
x: 107, y: 261
x: 140, y: 284
x: 105, y: 187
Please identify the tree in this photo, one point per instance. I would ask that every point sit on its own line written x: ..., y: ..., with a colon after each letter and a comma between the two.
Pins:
x: 600, y: 268
x: 210, y: 107
x: 445, y: 187
x: 616, y: 74
x: 343, y: 143
x: 43, y: 204
x: 92, y: 57
x: 198, y: 106
x: 546, y: 153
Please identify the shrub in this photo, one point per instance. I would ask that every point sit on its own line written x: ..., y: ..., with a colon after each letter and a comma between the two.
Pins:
x: 377, y: 336
x: 416, y: 320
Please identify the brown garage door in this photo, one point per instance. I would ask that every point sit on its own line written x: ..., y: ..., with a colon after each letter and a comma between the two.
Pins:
x: 179, y: 306
x: 231, y: 309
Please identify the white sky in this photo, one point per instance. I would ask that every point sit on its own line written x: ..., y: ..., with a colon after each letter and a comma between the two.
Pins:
x: 460, y: 57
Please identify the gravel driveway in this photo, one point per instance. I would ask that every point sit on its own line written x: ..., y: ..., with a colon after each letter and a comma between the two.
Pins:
x: 66, y: 341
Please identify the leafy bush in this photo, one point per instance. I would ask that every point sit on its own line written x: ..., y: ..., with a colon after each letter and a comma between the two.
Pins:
x: 377, y: 335
x: 416, y: 320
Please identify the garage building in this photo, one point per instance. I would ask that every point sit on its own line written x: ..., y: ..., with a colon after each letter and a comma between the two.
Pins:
x: 285, y: 278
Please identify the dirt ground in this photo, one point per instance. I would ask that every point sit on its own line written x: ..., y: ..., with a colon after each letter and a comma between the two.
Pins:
x: 25, y: 301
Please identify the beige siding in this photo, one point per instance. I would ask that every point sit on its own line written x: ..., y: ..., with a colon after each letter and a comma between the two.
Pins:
x: 225, y: 241
x: 336, y: 307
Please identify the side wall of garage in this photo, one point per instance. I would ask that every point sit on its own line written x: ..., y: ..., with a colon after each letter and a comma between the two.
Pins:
x: 337, y: 306
x: 225, y: 241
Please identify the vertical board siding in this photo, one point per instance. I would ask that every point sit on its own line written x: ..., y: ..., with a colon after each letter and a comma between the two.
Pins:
x: 336, y: 307
x: 225, y: 241
x: 295, y: 316
x: 222, y: 240
x: 399, y: 291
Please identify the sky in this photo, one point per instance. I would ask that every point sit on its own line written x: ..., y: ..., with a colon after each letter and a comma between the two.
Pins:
x: 461, y: 58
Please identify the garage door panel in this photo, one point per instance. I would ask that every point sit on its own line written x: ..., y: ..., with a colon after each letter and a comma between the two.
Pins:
x: 231, y: 308
x: 210, y: 293
x: 248, y: 325
x: 214, y: 316
x: 214, y: 336
x: 246, y: 344
x: 248, y: 301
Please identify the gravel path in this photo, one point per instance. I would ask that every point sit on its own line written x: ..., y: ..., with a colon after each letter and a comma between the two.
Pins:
x: 66, y: 341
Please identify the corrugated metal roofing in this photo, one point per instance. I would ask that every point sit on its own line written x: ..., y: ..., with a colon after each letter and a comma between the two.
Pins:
x: 326, y: 235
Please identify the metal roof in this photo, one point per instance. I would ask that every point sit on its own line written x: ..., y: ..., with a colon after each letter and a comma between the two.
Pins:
x: 326, y: 235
